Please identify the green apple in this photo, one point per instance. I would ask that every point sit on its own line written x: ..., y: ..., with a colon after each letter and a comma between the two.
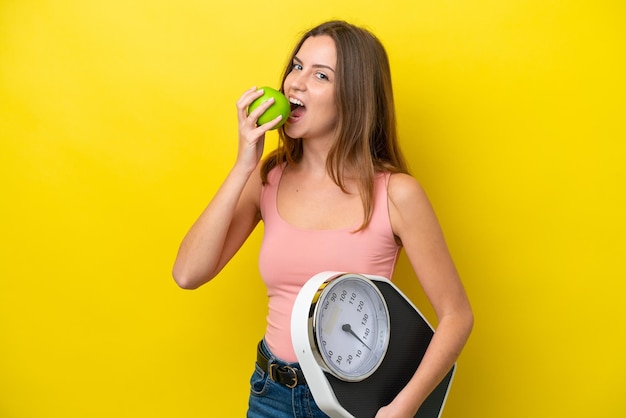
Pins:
x: 281, y: 106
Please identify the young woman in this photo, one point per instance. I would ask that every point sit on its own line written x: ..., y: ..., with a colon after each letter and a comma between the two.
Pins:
x: 335, y: 195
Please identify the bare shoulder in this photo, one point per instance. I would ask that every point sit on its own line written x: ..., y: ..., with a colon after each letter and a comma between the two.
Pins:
x: 405, y: 190
x: 408, y: 204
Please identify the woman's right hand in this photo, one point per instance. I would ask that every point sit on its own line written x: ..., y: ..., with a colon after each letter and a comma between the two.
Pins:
x: 252, y: 136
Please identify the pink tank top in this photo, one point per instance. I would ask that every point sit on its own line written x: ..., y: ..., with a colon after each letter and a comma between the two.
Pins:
x: 291, y: 255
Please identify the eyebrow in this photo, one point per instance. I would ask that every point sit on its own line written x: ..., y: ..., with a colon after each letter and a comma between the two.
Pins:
x: 299, y: 61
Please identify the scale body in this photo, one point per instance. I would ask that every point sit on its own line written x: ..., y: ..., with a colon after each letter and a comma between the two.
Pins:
x: 409, y: 336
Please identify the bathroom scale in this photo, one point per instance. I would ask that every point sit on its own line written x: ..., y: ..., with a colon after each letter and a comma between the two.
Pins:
x: 359, y: 340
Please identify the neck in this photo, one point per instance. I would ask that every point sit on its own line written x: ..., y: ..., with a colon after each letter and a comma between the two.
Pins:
x: 314, y: 155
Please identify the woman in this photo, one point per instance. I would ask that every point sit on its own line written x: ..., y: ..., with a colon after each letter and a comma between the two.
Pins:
x: 335, y: 195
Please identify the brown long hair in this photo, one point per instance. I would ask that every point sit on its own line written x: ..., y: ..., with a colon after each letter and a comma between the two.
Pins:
x: 366, y: 141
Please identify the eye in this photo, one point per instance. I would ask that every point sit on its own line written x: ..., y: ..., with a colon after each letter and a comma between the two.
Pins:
x: 296, y: 66
x: 321, y: 76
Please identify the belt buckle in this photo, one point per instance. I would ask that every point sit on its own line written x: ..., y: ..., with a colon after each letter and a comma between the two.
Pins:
x: 291, y: 371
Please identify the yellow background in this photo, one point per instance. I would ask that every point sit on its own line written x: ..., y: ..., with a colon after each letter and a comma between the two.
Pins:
x: 117, y: 124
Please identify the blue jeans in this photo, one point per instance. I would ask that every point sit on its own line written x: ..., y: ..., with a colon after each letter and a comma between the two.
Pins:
x: 269, y: 399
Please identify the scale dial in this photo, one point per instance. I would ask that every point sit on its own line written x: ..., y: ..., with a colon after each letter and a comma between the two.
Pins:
x: 350, y: 325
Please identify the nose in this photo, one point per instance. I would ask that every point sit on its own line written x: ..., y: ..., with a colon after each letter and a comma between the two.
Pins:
x: 295, y: 81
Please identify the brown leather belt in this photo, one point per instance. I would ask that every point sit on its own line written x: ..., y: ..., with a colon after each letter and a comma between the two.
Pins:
x: 285, y: 375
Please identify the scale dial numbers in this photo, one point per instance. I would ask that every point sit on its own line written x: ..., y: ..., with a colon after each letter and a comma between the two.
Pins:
x: 351, y: 327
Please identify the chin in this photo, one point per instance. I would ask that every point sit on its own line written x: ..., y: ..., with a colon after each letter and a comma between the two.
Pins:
x: 292, y: 131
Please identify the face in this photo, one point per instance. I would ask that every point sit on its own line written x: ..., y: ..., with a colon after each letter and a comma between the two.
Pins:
x: 310, y: 88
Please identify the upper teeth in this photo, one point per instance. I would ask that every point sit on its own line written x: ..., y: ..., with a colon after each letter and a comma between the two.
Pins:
x: 295, y: 101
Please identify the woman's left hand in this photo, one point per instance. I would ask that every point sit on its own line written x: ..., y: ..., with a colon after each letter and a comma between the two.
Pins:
x: 391, y: 411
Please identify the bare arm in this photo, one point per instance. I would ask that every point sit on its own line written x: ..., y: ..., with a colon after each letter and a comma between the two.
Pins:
x: 414, y: 222
x: 233, y: 212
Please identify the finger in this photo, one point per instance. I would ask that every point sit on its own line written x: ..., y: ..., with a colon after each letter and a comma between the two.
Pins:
x: 248, y: 97
x: 259, y: 131
x: 256, y: 113
x: 272, y: 124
